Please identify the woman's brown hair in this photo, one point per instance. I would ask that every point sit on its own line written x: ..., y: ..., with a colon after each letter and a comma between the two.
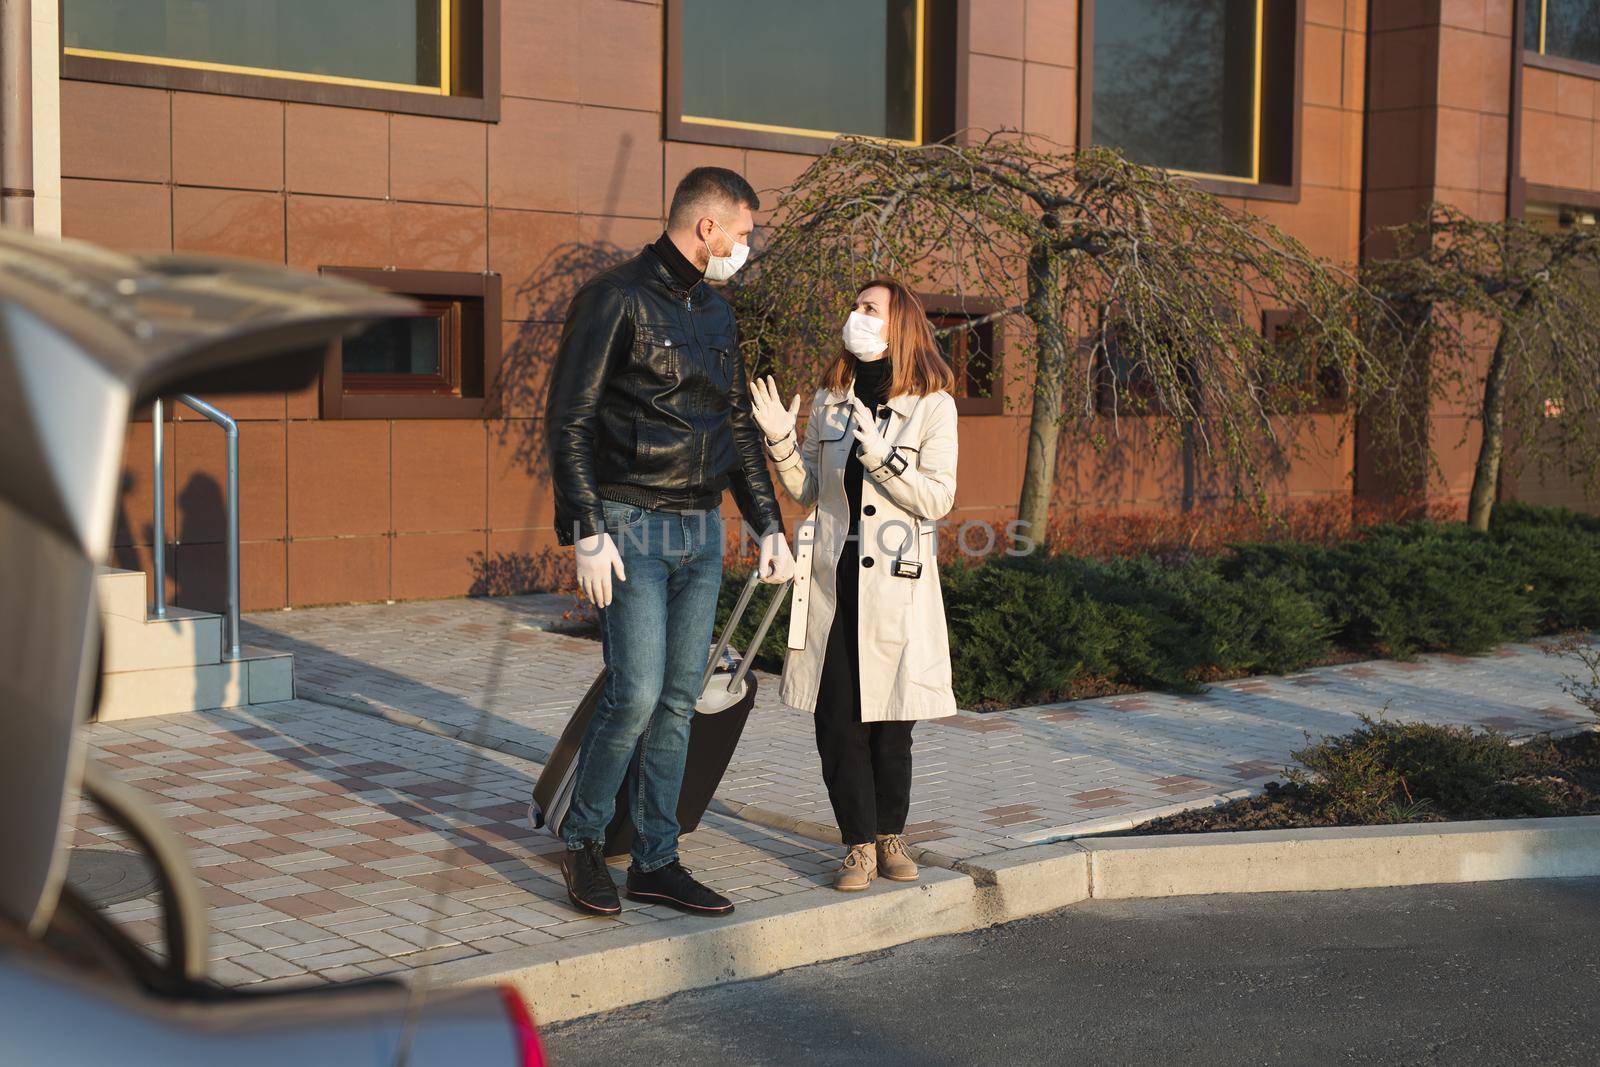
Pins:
x: 915, y: 365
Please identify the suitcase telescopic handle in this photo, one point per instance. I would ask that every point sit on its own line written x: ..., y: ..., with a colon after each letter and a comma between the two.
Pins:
x: 733, y: 621
x: 761, y: 635
x: 727, y: 631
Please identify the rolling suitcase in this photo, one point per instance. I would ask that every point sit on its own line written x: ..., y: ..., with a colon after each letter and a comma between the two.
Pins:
x: 727, y: 693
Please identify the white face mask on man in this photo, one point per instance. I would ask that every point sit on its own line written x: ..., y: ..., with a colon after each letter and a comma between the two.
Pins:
x: 721, y: 268
x: 863, y: 334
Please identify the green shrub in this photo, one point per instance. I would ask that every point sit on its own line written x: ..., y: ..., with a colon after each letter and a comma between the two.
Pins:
x: 1020, y: 633
x: 1556, y: 554
x: 1391, y: 772
x: 1294, y: 563
x: 1426, y: 589
x: 1049, y: 627
x: 1401, y: 589
x: 1045, y: 628
x: 1201, y: 623
x: 1558, y: 568
x: 1513, y: 514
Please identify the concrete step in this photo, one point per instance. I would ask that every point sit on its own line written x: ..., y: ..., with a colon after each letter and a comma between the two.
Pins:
x: 259, y: 676
x: 183, y: 639
x: 121, y: 593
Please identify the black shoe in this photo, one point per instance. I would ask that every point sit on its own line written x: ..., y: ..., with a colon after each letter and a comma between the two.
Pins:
x: 671, y: 885
x: 589, y: 884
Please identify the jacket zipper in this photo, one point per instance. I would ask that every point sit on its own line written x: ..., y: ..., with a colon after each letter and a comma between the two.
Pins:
x: 688, y: 309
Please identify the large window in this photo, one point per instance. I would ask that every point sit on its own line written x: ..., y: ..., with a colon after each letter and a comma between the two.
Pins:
x: 1566, y: 29
x: 393, y: 44
x: 1204, y: 87
x: 438, y: 363
x: 429, y: 56
x: 752, y: 71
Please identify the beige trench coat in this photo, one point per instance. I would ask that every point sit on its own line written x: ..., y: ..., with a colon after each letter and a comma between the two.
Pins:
x: 905, y: 647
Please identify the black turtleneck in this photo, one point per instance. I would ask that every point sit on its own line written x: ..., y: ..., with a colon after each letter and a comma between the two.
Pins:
x: 872, y: 386
x: 687, y: 273
x: 872, y: 379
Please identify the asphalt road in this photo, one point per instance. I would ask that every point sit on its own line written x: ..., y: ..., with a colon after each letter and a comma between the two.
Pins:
x: 1492, y: 973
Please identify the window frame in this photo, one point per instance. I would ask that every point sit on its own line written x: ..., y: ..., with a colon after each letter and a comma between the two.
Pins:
x: 946, y: 305
x: 371, y: 401
x: 1533, y: 53
x: 935, y: 95
x: 1221, y: 185
x: 1585, y: 199
x: 1138, y: 389
x: 474, y: 65
x: 448, y: 380
x: 1276, y: 319
x: 1141, y: 388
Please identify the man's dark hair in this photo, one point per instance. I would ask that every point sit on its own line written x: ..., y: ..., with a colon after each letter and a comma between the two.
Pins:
x: 717, y: 184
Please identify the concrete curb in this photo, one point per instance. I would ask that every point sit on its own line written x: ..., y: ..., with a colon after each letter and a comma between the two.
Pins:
x: 637, y: 963
x: 1029, y: 881
x: 1357, y: 857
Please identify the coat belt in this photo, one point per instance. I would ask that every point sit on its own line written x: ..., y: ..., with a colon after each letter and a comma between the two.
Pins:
x: 800, y: 596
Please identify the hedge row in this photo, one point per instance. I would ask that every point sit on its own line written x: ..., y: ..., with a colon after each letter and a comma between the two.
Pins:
x: 1041, y: 628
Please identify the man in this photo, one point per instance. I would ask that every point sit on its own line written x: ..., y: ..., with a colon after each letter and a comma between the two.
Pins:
x: 648, y: 420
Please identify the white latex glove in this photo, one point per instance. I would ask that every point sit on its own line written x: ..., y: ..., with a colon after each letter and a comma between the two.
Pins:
x: 776, y: 563
x: 775, y: 420
x: 874, y: 447
x: 597, y: 557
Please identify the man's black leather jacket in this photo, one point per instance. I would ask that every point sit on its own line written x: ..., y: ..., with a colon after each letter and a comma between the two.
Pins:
x: 648, y: 402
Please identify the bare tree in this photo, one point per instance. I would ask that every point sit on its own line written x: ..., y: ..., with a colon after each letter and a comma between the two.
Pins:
x: 1135, y: 291
x: 1530, y: 299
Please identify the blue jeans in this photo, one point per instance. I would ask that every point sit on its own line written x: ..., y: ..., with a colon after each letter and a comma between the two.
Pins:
x: 656, y: 634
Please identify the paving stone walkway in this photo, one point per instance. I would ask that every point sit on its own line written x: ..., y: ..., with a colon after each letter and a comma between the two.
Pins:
x: 984, y: 782
x: 335, y: 844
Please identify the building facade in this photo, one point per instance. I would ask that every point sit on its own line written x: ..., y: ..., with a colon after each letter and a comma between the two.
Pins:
x: 485, y: 155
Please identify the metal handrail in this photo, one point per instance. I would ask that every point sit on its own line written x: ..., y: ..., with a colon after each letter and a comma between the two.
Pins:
x: 231, y: 430
x: 158, y: 416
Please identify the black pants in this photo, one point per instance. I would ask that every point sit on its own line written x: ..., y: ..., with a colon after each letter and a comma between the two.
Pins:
x: 867, y: 766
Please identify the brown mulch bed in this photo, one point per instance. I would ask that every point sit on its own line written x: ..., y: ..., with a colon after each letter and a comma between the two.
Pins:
x: 1565, y: 780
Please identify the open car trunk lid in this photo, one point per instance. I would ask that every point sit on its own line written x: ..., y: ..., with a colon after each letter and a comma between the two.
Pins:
x: 85, y: 335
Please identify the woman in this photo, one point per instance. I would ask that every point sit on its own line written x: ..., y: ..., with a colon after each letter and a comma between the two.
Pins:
x: 868, y: 651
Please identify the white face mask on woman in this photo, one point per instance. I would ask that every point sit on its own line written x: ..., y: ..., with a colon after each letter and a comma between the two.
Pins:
x: 721, y: 268
x: 863, y: 334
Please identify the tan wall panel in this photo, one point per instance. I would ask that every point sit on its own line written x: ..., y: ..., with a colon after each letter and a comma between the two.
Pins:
x: 576, y: 175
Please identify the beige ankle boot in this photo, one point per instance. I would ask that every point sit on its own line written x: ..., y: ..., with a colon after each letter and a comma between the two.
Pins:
x: 893, y: 863
x: 857, y: 871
